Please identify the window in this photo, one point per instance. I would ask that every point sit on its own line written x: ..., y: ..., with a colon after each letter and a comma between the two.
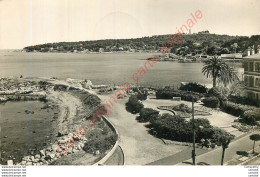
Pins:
x: 257, y: 82
x: 257, y: 67
x: 246, y: 66
x: 251, y: 81
x: 251, y: 67
x: 246, y: 81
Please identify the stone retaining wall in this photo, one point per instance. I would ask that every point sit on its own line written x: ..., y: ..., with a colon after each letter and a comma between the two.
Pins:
x: 110, y: 153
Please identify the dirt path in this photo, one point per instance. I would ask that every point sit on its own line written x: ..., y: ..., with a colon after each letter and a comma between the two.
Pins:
x: 69, y: 108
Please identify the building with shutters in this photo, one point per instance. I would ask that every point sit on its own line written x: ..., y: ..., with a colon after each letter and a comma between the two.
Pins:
x: 252, y: 76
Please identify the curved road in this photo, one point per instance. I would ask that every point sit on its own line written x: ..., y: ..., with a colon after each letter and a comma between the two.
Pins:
x: 138, y: 145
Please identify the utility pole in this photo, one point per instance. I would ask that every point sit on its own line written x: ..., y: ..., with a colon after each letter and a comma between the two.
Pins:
x: 193, y: 132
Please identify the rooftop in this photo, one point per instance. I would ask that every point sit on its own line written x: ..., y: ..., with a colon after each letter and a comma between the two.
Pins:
x: 255, y: 56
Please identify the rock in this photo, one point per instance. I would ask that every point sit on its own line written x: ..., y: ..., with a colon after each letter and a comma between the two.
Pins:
x: 54, y: 147
x: 81, y: 145
x: 10, y: 162
x: 42, y: 152
x: 69, y: 151
x: 49, y: 149
x: 60, y: 134
x: 28, y: 163
x: 58, y: 155
x: 50, y: 156
x: 5, y: 136
x: 26, y: 158
x: 23, y: 162
x: 78, y: 147
x: 75, y: 150
x: 37, y: 156
x: 61, y: 141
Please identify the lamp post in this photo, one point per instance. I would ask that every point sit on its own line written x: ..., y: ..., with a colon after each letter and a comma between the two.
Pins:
x: 193, y: 135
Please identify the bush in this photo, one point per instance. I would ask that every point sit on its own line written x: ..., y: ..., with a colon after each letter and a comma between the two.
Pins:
x: 243, y: 100
x: 183, y: 108
x: 185, y: 95
x: 147, y: 114
x: 217, y: 135
x: 134, y: 105
x: 142, y: 96
x: 178, y: 129
x: 101, y: 144
x: 194, y: 87
x: 172, y: 127
x: 212, y: 102
x: 234, y: 109
x: 249, y: 114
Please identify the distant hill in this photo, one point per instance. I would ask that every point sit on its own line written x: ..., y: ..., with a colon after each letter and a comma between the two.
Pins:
x: 203, y: 42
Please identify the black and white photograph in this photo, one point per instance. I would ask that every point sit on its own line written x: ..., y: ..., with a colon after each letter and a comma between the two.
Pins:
x: 148, y: 83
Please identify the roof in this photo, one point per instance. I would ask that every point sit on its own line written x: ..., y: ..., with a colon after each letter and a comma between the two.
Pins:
x: 255, y: 56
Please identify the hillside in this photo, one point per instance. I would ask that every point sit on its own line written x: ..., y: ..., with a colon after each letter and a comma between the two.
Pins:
x: 203, y: 42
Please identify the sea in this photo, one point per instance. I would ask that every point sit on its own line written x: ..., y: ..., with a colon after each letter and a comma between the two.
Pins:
x: 105, y: 68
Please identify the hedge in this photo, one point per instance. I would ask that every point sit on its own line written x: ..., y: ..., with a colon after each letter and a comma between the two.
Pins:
x: 185, y: 95
x: 250, y: 114
x: 212, y: 102
x: 147, y: 114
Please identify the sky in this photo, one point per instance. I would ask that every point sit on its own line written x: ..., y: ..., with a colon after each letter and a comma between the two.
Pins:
x: 30, y: 22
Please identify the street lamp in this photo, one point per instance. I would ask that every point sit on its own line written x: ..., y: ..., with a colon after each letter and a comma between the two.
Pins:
x: 193, y: 153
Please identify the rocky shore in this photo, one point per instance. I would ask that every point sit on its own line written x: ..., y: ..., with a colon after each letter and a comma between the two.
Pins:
x: 73, y: 100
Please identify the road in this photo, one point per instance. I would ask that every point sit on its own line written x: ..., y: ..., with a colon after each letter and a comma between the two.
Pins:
x: 214, y: 157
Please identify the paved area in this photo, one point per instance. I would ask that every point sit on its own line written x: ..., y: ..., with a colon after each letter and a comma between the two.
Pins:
x: 214, y: 157
x: 218, y: 118
x: 138, y: 145
x: 177, y: 158
x: 117, y: 158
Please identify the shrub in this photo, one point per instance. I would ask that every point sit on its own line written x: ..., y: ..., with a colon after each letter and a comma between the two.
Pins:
x: 172, y: 127
x: 243, y: 100
x: 212, y: 102
x: 146, y: 114
x: 203, y: 129
x: 250, y: 114
x: 194, y: 87
x: 185, y: 95
x: 101, y: 144
x: 178, y: 129
x: 134, y: 105
x: 183, y: 108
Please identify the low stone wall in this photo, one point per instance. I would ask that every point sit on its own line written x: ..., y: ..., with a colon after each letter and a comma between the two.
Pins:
x: 110, y: 153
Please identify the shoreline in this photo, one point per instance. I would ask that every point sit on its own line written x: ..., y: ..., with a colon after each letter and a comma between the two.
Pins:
x: 72, y: 112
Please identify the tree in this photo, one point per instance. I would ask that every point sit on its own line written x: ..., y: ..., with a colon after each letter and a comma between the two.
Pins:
x: 134, y: 105
x: 225, y: 139
x: 234, y: 47
x: 220, y: 72
x: 254, y: 137
x: 148, y: 114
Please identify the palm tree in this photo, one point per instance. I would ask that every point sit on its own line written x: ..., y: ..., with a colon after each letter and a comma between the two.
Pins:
x: 254, y: 137
x: 225, y: 140
x: 220, y: 72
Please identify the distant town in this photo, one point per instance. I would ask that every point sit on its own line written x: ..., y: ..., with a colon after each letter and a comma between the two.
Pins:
x: 192, y: 46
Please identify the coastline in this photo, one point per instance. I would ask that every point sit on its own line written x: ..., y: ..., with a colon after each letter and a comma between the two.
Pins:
x: 72, y: 113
